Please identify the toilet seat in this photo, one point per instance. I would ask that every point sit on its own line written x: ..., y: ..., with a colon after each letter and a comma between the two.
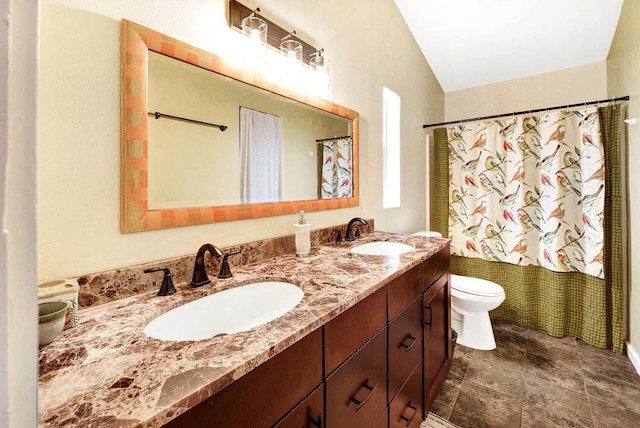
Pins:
x: 475, y: 286
x: 429, y: 234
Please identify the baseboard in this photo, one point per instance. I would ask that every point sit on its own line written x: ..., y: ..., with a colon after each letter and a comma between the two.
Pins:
x: 633, y: 357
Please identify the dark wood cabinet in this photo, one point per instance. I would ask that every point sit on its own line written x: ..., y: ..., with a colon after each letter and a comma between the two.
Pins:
x: 405, y: 345
x: 262, y: 396
x: 404, y: 290
x: 406, y: 408
x: 357, y: 391
x: 378, y: 364
x: 308, y: 414
x: 347, y: 332
x: 437, y: 338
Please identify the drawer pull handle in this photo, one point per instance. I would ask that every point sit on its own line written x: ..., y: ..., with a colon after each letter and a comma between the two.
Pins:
x: 410, y: 345
x: 360, y: 403
x: 430, y: 316
x: 412, y: 417
x: 317, y: 422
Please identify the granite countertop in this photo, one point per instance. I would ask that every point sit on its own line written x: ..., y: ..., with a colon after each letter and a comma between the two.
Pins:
x: 107, y: 372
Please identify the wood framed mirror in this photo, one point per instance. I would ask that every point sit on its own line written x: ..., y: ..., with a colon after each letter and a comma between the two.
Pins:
x: 138, y: 211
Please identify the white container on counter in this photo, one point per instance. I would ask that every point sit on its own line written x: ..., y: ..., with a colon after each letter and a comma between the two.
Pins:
x: 62, y: 290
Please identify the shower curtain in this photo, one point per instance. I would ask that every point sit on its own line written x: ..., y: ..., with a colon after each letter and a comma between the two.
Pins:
x: 531, y: 204
x: 336, y: 170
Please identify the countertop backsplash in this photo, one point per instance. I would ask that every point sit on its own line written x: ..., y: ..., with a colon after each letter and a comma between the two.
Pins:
x: 105, y: 287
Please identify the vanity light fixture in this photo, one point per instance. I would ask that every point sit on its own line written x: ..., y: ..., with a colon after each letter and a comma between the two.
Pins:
x: 291, y: 48
x: 275, y: 34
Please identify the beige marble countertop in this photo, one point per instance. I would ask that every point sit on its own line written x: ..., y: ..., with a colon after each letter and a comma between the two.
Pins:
x: 107, y: 372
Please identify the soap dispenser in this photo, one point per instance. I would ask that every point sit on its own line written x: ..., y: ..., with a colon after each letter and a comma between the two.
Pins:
x: 303, y: 236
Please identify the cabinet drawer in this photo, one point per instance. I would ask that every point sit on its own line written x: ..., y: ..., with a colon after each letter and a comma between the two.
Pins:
x: 436, y: 265
x: 357, y: 391
x: 350, y: 330
x: 264, y: 395
x: 383, y: 420
x: 405, y: 345
x: 404, y: 290
x: 308, y: 414
x: 406, y: 409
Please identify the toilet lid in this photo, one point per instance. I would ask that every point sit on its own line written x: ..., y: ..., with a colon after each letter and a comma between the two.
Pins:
x: 475, y: 286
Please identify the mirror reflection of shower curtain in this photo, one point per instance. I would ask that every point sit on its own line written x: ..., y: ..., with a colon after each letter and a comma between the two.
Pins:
x: 260, y: 157
x: 336, y: 179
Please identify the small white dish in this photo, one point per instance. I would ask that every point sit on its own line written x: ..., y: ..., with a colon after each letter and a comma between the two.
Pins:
x: 51, y: 316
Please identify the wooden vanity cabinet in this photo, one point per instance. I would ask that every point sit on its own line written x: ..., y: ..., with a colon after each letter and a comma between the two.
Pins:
x: 378, y: 364
x: 406, y: 408
x: 308, y: 414
x: 437, y: 327
x: 357, y: 390
x: 347, y: 332
x: 405, y: 345
x: 265, y: 394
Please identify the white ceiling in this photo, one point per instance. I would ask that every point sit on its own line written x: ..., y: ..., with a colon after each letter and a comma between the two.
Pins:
x: 471, y: 43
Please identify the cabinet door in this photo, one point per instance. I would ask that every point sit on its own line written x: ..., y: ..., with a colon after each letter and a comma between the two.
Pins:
x: 308, y: 414
x: 437, y: 319
x: 357, y: 391
x: 406, y: 408
x: 405, y: 345
x: 262, y: 396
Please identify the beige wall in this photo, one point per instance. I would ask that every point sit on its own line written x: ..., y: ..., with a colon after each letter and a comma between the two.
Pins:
x: 623, y: 77
x: 79, y: 121
x: 569, y: 86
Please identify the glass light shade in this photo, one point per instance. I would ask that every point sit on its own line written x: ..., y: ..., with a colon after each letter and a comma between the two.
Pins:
x: 292, y: 50
x: 255, y: 31
x: 319, y: 77
x: 316, y: 62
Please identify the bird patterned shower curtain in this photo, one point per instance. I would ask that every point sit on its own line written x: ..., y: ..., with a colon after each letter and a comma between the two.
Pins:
x: 529, y: 190
x: 336, y: 170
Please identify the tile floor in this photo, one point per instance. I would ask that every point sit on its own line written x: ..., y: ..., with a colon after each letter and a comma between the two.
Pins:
x: 534, y: 380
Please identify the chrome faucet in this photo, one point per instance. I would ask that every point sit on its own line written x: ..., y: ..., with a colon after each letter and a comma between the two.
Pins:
x: 352, y: 237
x: 200, y: 276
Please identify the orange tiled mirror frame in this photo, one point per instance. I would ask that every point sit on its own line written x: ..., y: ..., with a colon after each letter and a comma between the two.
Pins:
x: 136, y: 41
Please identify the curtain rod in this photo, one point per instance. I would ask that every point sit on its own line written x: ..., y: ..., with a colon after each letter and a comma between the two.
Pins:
x: 495, y: 116
x: 334, y: 138
x: 158, y: 115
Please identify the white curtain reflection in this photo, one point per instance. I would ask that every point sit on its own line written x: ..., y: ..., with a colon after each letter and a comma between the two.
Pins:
x: 260, y: 157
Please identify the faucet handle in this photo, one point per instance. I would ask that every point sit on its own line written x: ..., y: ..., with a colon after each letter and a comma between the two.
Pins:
x: 338, y: 236
x: 356, y: 234
x: 225, y: 270
x: 167, y: 288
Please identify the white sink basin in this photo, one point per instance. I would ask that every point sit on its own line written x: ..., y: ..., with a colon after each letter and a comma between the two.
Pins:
x: 382, y: 248
x: 227, y: 312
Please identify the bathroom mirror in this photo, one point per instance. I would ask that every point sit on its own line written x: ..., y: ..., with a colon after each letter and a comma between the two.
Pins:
x: 178, y: 174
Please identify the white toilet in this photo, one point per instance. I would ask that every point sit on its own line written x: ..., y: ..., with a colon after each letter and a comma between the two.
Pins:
x: 471, y: 301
